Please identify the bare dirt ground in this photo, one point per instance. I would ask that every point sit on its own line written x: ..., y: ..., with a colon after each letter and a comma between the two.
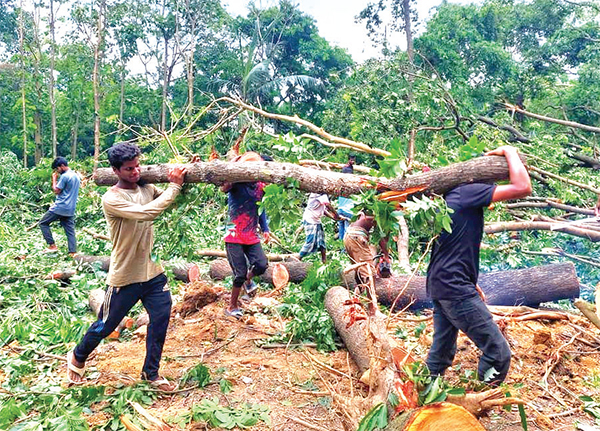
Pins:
x: 553, y: 362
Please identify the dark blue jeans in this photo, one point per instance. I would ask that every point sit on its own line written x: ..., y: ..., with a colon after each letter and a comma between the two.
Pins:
x: 471, y: 316
x: 68, y: 224
x: 156, y: 297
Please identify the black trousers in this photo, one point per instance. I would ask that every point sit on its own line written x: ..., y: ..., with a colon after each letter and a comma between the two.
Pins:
x: 244, y: 256
x: 156, y: 297
x: 68, y: 224
x: 471, y: 316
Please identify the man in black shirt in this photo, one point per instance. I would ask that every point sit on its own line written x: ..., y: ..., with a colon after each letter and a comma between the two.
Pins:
x: 453, y: 271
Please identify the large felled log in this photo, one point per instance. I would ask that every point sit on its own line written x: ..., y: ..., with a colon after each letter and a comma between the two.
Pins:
x: 354, y: 336
x: 530, y: 286
x: 482, y: 169
x: 219, y: 269
x: 271, y: 257
x: 182, y: 271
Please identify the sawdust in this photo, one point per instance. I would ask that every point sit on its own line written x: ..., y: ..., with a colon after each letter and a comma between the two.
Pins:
x: 283, y: 378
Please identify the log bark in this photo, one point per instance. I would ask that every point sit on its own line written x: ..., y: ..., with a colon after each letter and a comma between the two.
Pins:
x: 482, y: 169
x: 436, y: 417
x: 353, y: 336
x: 579, y: 231
x: 531, y: 286
x: 271, y: 257
x: 219, y: 269
x: 182, y: 271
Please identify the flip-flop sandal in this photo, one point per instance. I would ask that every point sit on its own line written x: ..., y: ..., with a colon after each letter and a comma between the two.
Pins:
x: 236, y: 314
x: 75, y: 369
x: 251, y: 288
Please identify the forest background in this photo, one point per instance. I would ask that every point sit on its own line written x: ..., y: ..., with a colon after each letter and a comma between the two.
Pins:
x: 474, y: 77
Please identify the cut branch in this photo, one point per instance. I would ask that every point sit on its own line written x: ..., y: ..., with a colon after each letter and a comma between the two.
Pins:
x: 549, y: 204
x: 511, y: 226
x: 316, y: 129
x: 566, y: 123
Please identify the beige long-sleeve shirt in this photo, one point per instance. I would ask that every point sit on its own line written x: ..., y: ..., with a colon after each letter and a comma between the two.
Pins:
x: 129, y: 213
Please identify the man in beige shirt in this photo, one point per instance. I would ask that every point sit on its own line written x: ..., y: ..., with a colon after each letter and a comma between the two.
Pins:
x: 130, y: 207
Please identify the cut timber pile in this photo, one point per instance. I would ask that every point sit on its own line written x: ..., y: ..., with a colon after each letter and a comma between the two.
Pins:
x: 220, y: 269
x: 530, y: 286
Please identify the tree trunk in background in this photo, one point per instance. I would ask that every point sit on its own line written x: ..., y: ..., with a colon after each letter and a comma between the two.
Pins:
x: 403, y: 238
x: 22, y: 64
x: 51, y: 79
x: 165, y: 87
x: 482, y: 169
x: 219, y: 269
x: 96, y: 81
x: 37, y: 135
x: 75, y: 133
x: 189, y: 65
x: 531, y: 286
x: 408, y: 30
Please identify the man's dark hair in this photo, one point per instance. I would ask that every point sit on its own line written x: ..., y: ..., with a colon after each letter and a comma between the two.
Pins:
x: 121, y: 153
x: 59, y: 161
x: 266, y: 158
x: 352, y: 157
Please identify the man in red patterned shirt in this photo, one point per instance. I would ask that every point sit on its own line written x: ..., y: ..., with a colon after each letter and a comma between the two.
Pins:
x: 242, y: 241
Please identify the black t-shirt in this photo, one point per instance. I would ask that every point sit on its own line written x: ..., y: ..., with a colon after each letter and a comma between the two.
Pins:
x: 454, y: 265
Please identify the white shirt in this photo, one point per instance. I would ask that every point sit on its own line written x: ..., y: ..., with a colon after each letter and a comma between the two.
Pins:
x: 315, y: 208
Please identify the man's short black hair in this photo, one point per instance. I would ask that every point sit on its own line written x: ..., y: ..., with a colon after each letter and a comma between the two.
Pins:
x: 352, y: 157
x: 266, y: 158
x: 121, y: 153
x: 59, y: 161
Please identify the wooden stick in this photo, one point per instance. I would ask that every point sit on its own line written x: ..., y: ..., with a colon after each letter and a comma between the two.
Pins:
x: 588, y: 311
x: 95, y: 235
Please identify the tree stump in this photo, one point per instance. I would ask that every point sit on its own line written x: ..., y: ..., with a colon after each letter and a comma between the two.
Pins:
x: 436, y: 417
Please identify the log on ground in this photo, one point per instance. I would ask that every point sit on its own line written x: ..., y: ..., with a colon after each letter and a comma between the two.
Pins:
x: 530, y: 286
x: 482, y: 169
x: 183, y: 271
x: 220, y: 269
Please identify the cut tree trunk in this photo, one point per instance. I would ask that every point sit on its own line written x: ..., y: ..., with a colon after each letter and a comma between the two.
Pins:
x: 271, y: 257
x: 219, y: 269
x: 482, y: 169
x: 530, y: 286
x: 436, y: 417
x: 183, y: 271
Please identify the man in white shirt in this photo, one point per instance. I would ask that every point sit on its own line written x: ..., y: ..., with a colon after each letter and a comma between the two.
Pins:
x: 318, y: 205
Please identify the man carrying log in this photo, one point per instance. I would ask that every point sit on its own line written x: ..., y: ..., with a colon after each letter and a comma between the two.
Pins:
x: 359, y: 249
x: 242, y: 243
x: 454, y: 269
x: 129, y: 208
x: 67, y: 191
x: 318, y: 205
